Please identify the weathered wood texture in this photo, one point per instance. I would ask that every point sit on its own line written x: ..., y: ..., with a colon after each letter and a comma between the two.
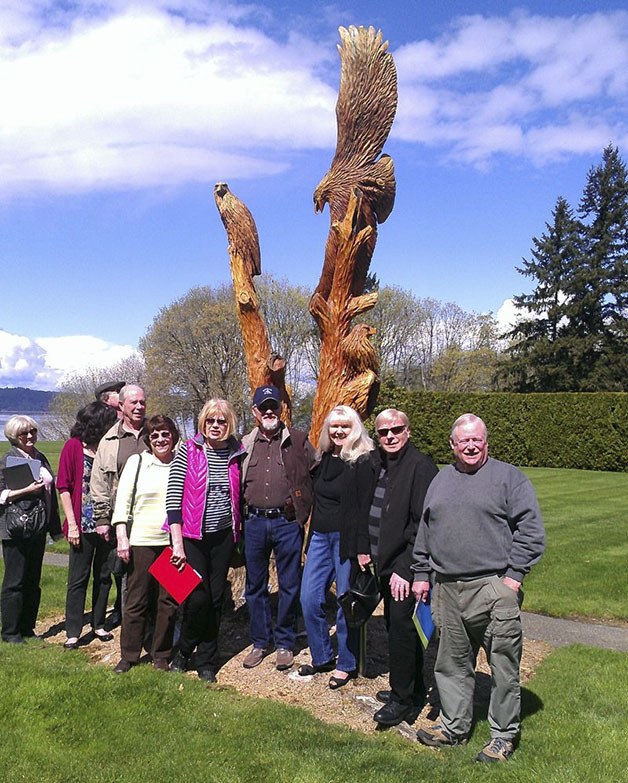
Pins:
x: 263, y: 366
x: 360, y: 190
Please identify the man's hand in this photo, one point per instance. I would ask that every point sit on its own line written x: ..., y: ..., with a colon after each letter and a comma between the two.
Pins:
x: 364, y: 561
x: 104, y: 531
x: 399, y: 587
x: 421, y: 590
x: 511, y: 583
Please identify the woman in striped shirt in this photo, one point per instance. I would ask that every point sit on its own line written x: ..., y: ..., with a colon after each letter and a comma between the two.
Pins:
x: 204, y: 511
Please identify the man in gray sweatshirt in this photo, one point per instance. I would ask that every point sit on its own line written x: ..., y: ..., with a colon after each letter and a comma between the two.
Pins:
x: 480, y: 533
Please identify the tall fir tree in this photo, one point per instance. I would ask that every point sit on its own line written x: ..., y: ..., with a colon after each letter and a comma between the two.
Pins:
x: 577, y: 339
x: 597, y: 308
x: 537, y: 357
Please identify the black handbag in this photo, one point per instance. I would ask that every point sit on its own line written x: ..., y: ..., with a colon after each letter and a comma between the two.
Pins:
x: 362, y: 597
x: 25, y: 519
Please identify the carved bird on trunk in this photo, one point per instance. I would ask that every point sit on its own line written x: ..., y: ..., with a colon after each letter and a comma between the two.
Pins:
x: 240, y: 227
x: 367, y: 102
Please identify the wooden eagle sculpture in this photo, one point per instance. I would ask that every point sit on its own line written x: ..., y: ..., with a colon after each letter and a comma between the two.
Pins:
x: 240, y: 227
x: 365, y: 110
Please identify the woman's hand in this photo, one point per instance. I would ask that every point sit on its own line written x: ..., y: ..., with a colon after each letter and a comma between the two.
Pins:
x: 30, y: 489
x: 364, y: 561
x: 178, y: 558
x: 124, y: 550
x: 74, y: 534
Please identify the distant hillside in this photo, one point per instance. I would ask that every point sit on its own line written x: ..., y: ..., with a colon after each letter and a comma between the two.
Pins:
x: 19, y: 400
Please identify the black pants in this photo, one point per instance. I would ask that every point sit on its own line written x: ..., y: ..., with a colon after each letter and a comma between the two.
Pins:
x: 203, y: 608
x: 90, y: 555
x: 404, y: 648
x: 21, y: 593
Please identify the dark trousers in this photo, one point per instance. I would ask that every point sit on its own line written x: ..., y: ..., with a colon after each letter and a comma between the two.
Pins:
x: 404, y: 648
x: 262, y: 537
x: 202, y: 611
x: 89, y: 556
x: 21, y: 593
x: 135, y: 615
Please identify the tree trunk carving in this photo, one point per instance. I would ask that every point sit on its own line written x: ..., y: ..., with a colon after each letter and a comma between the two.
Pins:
x: 264, y: 366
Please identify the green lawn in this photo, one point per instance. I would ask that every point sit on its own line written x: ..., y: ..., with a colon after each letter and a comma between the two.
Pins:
x: 72, y: 721
x: 583, y: 571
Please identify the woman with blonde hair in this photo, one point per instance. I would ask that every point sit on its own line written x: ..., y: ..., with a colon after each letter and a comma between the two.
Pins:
x: 343, y: 452
x: 27, y: 513
x: 204, y: 507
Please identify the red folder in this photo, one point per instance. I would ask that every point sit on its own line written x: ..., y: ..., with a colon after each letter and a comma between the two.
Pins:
x: 178, y: 583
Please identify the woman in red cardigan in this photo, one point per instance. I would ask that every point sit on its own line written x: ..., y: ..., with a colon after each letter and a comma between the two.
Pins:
x: 88, y: 551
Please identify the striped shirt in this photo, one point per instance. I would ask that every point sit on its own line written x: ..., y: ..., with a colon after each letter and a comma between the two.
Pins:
x: 375, y: 513
x: 218, y: 513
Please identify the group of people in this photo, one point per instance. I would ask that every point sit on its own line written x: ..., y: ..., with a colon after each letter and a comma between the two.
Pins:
x: 463, y: 537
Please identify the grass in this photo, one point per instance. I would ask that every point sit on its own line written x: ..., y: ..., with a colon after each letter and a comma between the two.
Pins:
x: 158, y: 727
x: 583, y: 571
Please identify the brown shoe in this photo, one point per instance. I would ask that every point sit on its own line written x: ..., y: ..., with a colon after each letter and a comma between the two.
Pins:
x: 284, y: 660
x: 161, y: 664
x: 255, y: 657
x: 123, y: 666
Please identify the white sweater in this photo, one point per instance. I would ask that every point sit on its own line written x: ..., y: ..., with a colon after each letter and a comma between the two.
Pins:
x: 149, y: 508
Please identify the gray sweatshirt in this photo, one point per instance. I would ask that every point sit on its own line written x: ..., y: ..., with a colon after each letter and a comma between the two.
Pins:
x: 478, y: 524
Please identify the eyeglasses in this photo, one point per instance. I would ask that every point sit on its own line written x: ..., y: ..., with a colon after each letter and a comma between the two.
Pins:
x: 269, y: 407
x: 219, y: 422
x: 27, y: 432
x: 157, y: 434
x: 397, y: 430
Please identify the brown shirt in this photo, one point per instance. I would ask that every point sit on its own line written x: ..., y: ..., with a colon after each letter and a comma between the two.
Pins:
x: 128, y: 445
x: 266, y: 484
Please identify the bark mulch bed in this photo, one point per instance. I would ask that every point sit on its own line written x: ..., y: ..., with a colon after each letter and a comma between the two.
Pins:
x: 351, y: 706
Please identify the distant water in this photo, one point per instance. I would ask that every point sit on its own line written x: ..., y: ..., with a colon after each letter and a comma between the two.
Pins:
x: 42, y: 419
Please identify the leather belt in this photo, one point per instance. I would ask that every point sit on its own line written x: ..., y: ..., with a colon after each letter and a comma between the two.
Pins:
x: 269, y: 513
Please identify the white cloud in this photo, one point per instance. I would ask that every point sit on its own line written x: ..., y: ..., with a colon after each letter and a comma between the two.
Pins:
x: 143, y: 96
x: 534, y: 87
x: 42, y: 362
x: 507, y: 316
x: 139, y: 93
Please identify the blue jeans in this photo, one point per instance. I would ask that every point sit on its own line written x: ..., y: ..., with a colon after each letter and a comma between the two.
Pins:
x: 322, y: 567
x: 262, y: 537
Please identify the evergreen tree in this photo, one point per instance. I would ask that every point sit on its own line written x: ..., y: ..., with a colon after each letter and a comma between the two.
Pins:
x: 597, y: 308
x: 537, y: 357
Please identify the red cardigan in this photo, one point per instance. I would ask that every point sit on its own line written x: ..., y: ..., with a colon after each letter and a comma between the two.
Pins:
x: 70, y: 477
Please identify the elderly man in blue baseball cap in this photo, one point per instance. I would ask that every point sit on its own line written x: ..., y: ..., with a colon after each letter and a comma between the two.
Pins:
x: 278, y: 496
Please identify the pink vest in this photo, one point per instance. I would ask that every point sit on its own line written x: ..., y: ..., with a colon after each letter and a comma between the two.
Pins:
x: 195, y: 491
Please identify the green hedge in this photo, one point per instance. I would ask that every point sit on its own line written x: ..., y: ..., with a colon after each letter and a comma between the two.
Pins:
x: 559, y: 430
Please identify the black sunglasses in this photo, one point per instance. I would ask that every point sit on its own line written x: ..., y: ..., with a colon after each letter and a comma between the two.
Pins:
x: 219, y: 422
x: 383, y: 431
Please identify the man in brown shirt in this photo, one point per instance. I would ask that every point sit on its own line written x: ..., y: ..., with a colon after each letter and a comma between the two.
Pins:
x: 278, y: 495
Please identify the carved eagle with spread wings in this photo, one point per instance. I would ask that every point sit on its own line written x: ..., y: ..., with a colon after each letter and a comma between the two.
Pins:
x: 367, y: 102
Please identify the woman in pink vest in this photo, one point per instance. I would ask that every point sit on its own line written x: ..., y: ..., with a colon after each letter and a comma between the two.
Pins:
x: 204, y: 517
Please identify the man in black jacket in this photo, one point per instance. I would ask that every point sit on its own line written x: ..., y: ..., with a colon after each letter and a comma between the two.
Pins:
x: 401, y: 477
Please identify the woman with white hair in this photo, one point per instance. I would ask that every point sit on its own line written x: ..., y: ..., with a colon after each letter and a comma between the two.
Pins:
x: 343, y: 452
x: 27, y: 514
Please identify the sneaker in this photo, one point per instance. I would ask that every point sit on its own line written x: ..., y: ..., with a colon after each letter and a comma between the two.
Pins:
x: 284, y: 660
x: 437, y: 736
x: 255, y: 657
x: 498, y: 749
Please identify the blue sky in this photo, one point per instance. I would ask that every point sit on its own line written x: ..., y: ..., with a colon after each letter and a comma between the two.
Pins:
x: 118, y: 117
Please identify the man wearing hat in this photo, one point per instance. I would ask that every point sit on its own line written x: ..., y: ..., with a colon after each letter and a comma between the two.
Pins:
x: 108, y: 393
x: 278, y: 496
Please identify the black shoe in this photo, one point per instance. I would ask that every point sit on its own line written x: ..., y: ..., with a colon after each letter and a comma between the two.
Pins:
x: 123, y: 666
x: 113, y: 621
x: 383, y: 696
x: 103, y: 637
x: 394, y: 712
x: 71, y: 645
x: 308, y: 669
x: 207, y: 675
x: 14, y: 639
x: 179, y: 662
